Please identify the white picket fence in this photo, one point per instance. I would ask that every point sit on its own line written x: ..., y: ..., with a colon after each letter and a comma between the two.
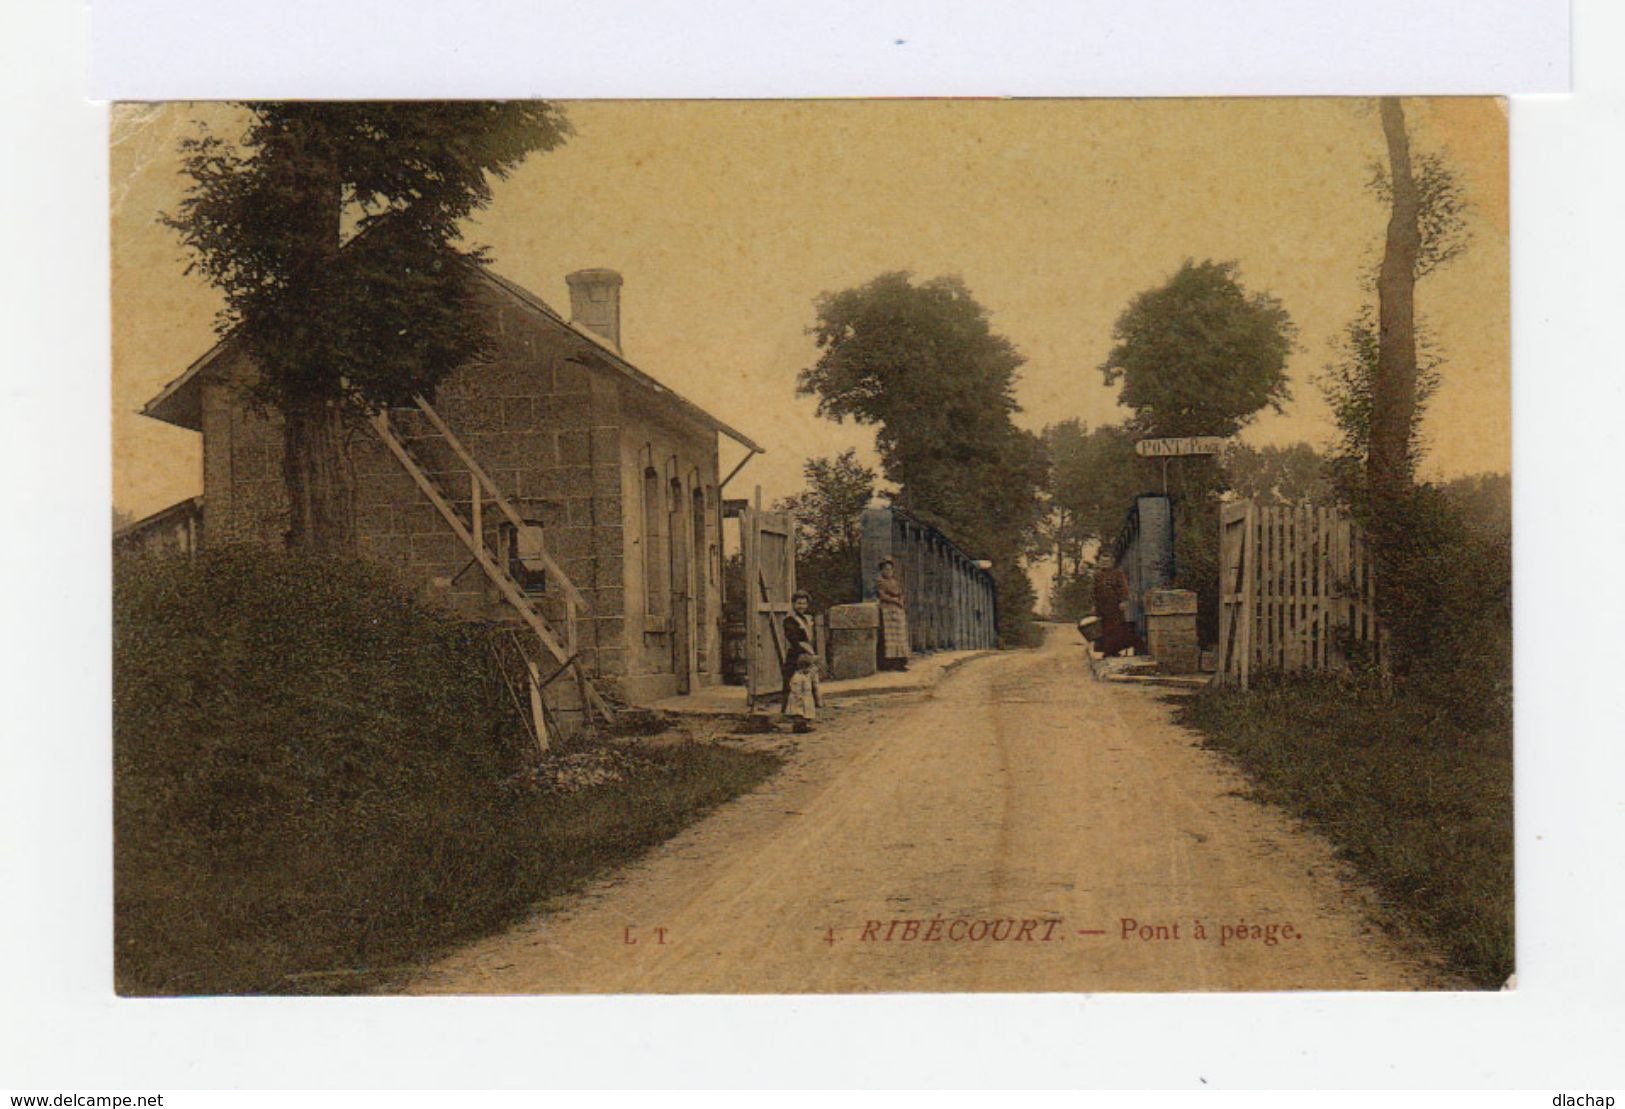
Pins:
x: 1295, y: 585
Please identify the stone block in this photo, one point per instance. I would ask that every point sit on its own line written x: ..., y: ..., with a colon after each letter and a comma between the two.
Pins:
x: 582, y: 513
x: 421, y: 518
x: 441, y: 549
x: 532, y: 483
x: 566, y: 412
x: 1170, y: 630
x: 612, y: 567
x: 518, y: 413
x: 547, y: 512
x: 570, y: 377
x: 606, y: 546
x: 477, y: 416
x: 851, y: 651
x: 865, y: 615
x: 575, y: 447
x: 607, y: 602
x: 611, y: 632
x: 606, y: 444
x: 1170, y: 602
x: 611, y: 661
x: 570, y: 482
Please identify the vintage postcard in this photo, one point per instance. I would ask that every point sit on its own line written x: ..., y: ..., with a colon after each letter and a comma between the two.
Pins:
x: 811, y: 546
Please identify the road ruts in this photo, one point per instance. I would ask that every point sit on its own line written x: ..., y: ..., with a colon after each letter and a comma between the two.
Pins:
x: 1020, y: 791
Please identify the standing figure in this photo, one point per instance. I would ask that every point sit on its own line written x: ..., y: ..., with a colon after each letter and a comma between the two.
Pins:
x: 802, y: 696
x: 1111, y: 592
x: 893, y: 617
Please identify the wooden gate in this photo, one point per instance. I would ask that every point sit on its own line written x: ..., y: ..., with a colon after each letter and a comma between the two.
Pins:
x: 768, y: 540
x: 1295, y: 586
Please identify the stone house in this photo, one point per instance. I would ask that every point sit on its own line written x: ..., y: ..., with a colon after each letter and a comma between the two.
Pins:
x: 172, y: 531
x: 594, y: 491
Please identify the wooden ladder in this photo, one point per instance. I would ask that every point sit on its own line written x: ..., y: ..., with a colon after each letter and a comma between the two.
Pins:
x: 565, y: 649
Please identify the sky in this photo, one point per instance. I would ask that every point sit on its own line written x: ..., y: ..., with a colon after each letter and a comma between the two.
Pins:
x: 728, y: 218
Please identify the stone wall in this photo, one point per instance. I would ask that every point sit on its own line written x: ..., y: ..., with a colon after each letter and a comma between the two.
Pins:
x: 551, y: 434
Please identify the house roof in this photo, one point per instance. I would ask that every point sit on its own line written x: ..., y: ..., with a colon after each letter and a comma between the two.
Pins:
x: 191, y: 506
x: 180, y: 402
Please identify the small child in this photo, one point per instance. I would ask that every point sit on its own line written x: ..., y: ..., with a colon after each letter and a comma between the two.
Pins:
x: 803, y: 698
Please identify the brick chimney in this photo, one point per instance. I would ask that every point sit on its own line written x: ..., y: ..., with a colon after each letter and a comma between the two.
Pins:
x: 595, y: 302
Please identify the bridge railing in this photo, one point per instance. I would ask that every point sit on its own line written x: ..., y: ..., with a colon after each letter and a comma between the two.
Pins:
x: 951, y: 602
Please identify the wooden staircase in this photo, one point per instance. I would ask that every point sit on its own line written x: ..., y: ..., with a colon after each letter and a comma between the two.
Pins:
x: 545, y: 646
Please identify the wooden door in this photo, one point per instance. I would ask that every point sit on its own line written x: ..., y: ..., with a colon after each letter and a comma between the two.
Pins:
x: 682, y: 591
x: 768, y: 540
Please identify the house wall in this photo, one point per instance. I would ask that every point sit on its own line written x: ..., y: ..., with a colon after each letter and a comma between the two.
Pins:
x: 242, y: 463
x: 556, y: 436
x: 672, y: 550
x: 175, y: 530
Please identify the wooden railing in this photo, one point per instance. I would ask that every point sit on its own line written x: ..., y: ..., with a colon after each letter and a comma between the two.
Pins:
x: 471, y: 533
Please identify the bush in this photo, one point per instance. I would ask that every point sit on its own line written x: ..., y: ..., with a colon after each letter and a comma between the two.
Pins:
x: 1196, y: 560
x: 1448, y: 605
x: 1419, y: 802
x: 1075, y: 598
x: 1016, y: 597
x: 308, y: 774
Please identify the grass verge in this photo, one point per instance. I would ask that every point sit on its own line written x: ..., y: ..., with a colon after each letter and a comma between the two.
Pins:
x: 318, y: 780
x: 1422, y: 806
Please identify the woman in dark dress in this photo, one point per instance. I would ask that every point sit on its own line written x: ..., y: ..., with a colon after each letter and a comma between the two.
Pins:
x: 802, y: 696
x: 1111, y: 591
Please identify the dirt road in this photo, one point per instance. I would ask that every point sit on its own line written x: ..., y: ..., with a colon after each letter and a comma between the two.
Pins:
x: 1021, y: 817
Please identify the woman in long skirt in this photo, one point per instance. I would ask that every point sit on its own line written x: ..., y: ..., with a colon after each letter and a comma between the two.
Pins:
x: 894, y: 651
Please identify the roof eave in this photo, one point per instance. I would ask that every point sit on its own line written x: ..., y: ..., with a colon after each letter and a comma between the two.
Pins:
x: 181, y: 402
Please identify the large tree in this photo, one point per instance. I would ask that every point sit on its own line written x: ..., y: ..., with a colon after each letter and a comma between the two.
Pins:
x: 335, y: 329
x: 922, y: 365
x: 829, y: 530
x: 1200, y: 355
x: 1378, y: 389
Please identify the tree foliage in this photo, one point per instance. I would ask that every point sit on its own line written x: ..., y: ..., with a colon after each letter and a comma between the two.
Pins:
x: 1200, y: 355
x: 336, y: 330
x: 1348, y: 383
x: 1094, y: 477
x: 1294, y: 474
x: 1443, y: 233
x: 828, y: 527
x: 922, y: 365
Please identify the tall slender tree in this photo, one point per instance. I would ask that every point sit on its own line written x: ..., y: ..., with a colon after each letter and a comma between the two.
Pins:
x: 1393, y: 394
x: 338, y: 328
